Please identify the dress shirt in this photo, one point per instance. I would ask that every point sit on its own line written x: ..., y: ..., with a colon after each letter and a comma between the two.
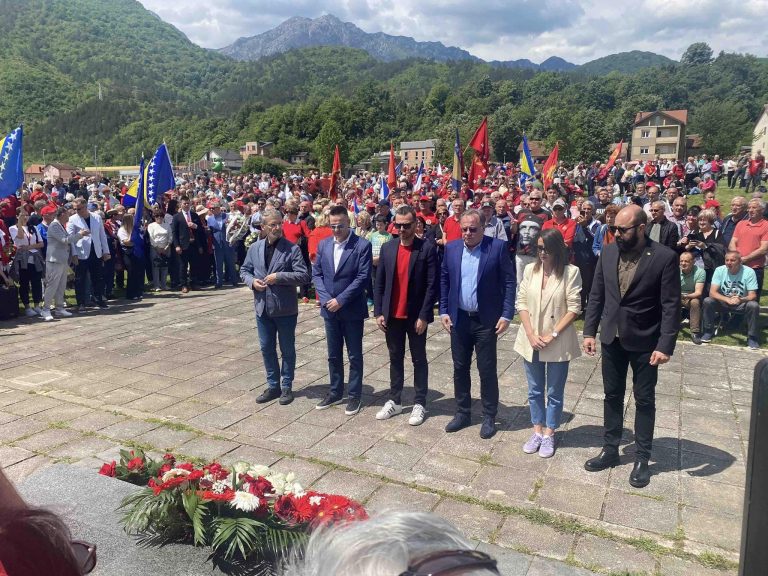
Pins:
x: 338, y: 250
x: 269, y: 252
x: 470, y: 264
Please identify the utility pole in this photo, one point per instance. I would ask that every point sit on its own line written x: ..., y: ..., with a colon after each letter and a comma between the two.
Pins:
x: 43, y: 156
x: 95, y: 148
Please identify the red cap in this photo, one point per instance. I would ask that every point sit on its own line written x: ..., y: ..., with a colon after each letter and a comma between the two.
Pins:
x: 425, y: 199
x: 48, y: 209
x: 711, y: 204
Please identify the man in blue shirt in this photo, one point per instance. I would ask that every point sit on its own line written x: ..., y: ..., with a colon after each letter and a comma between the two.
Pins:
x: 733, y: 289
x: 477, y: 302
x: 223, y: 253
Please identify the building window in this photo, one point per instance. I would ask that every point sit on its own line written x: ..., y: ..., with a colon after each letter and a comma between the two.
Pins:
x: 423, y: 154
x: 644, y: 150
x: 405, y: 155
x: 645, y: 134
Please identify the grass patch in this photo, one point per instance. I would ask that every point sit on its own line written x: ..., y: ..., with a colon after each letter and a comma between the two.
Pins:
x: 716, y: 561
x: 175, y: 426
x: 58, y: 425
x: 649, y: 496
x: 537, y: 486
x: 486, y: 460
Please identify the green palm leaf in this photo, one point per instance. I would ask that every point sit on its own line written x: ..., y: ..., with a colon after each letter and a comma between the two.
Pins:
x: 233, y: 535
x: 197, y: 510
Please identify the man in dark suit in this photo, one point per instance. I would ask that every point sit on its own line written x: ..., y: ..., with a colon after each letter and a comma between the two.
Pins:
x: 188, y: 238
x: 477, y: 302
x: 273, y: 268
x: 340, y: 274
x: 404, y: 297
x: 635, y: 299
x: 661, y: 230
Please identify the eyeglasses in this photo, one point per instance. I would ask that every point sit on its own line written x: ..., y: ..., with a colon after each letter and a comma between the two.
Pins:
x: 469, y: 230
x: 534, y: 199
x: 621, y: 229
x: 542, y: 249
x: 85, y: 555
x: 402, y: 225
x: 338, y: 226
x: 448, y: 561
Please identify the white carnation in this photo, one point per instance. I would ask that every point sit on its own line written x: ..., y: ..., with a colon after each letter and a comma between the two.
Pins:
x: 315, y: 500
x: 245, y: 501
x: 258, y: 470
x: 241, y: 467
x: 174, y: 472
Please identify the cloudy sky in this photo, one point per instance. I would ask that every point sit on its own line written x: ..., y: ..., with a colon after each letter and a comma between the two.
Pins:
x: 500, y: 29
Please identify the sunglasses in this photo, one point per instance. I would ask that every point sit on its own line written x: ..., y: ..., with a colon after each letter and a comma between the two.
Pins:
x: 469, y: 229
x: 542, y: 249
x: 621, y: 229
x: 402, y: 225
x: 338, y: 226
x: 85, y: 555
x: 449, y: 561
x: 534, y: 199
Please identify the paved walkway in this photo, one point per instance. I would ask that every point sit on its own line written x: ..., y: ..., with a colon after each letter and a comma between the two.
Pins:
x: 182, y: 374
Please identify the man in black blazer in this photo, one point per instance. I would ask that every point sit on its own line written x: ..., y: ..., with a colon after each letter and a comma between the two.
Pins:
x: 635, y: 298
x: 661, y: 230
x: 188, y: 238
x: 404, y: 297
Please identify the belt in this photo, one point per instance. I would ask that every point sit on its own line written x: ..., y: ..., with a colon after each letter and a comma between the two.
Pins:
x: 470, y: 314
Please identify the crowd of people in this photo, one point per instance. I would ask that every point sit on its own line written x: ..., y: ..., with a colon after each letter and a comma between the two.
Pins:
x: 482, y: 252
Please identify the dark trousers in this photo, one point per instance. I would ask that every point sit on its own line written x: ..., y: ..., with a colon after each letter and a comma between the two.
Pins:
x: 272, y: 330
x: 187, y: 260
x: 337, y: 334
x: 174, y: 267
x: 587, y: 271
x: 29, y: 277
x: 135, y: 268
x: 760, y: 274
x: 751, y: 311
x: 616, y: 362
x: 109, y: 276
x: 93, y: 267
x: 469, y: 334
x: 397, y: 330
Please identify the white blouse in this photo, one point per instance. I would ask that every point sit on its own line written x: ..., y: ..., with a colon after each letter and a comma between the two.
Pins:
x: 159, y: 235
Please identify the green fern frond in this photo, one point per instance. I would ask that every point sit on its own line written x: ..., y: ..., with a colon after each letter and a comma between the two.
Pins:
x: 197, y: 510
x: 233, y: 535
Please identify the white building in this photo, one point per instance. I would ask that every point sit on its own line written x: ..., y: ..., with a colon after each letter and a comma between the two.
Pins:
x: 760, y: 137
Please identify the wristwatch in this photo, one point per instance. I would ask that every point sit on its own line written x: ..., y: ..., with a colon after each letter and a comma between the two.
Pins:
x: 555, y: 333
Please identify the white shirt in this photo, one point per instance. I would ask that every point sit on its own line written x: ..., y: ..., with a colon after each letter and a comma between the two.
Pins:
x: 159, y: 235
x: 338, y: 250
x: 27, y: 239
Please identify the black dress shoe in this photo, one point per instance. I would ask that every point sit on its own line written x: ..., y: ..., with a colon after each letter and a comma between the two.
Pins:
x: 459, y: 422
x: 640, y: 476
x: 606, y: 459
x: 488, y: 428
x: 286, y: 397
x: 267, y: 395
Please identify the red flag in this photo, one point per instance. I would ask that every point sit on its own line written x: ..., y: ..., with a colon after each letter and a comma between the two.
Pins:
x: 391, y: 175
x: 603, y: 174
x: 477, y: 172
x: 548, y: 170
x: 335, y: 173
x: 480, y: 141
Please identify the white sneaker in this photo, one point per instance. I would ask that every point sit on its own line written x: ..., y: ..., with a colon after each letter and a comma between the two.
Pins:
x: 30, y: 312
x: 61, y: 312
x: 46, y: 315
x: 390, y: 409
x: 417, y: 415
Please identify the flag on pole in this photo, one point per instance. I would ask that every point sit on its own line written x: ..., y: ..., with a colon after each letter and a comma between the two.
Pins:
x: 159, y: 178
x: 129, y: 198
x: 458, y: 164
x: 527, y: 169
x: 335, y: 173
x: 419, y: 176
x: 384, y: 189
x: 356, y: 206
x: 479, y: 141
x: 399, y: 168
x: 603, y: 174
x: 11, y: 163
x: 548, y: 170
x: 391, y: 175
x: 136, y: 236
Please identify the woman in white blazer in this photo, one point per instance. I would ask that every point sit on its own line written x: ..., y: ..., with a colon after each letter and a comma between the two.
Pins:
x: 549, y: 300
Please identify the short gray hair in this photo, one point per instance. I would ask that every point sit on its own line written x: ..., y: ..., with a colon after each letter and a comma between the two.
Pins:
x: 381, y: 546
x: 759, y: 201
x: 472, y: 212
x: 271, y: 214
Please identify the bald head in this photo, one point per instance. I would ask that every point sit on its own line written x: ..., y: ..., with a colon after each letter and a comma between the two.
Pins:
x: 631, y: 215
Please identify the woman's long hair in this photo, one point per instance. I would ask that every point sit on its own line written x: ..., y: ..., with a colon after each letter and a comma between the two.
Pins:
x: 555, y: 246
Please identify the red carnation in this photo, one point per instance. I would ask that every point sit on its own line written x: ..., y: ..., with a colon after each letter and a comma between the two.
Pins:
x: 163, y: 469
x: 169, y: 457
x: 225, y: 496
x: 185, y: 466
x: 335, y: 507
x: 108, y: 469
x: 135, y: 464
x: 261, y: 486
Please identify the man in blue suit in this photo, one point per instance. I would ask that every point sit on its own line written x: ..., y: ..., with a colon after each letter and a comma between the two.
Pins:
x: 273, y: 269
x: 477, y: 302
x: 341, y: 273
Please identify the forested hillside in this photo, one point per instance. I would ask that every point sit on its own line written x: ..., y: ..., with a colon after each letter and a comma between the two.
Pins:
x: 156, y: 85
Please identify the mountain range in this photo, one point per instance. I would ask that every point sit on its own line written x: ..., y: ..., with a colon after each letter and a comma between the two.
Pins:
x: 328, y: 30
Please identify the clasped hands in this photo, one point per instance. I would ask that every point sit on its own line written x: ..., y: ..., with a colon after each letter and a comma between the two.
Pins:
x: 261, y: 285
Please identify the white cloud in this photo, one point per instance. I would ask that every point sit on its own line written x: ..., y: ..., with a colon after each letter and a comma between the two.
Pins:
x: 500, y: 29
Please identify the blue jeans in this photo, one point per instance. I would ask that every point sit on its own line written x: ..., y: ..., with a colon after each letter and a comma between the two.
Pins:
x: 271, y: 330
x: 338, y: 333
x: 225, y: 260
x: 549, y: 376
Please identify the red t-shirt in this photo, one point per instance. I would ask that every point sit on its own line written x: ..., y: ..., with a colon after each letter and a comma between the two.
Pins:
x: 452, y: 229
x: 748, y: 237
x: 400, y: 284
x: 293, y: 231
x: 567, y: 229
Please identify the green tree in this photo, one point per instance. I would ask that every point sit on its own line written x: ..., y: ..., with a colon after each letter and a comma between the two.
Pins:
x: 329, y: 137
x: 697, y: 53
x: 723, y: 126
